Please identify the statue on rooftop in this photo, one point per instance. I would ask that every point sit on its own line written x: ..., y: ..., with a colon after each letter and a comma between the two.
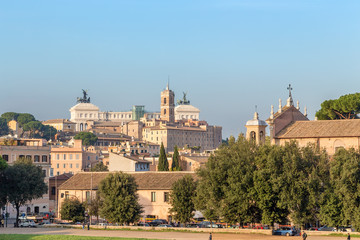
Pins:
x: 184, y: 101
x: 84, y: 99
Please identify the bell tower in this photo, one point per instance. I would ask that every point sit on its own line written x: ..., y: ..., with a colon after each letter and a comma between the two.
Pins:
x: 255, y: 130
x: 167, y: 105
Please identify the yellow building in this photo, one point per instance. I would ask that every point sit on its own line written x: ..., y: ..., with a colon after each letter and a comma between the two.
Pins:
x: 73, y: 159
x: 61, y: 124
x: 153, y: 189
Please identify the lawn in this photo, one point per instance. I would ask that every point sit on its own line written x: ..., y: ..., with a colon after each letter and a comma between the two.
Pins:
x: 58, y: 237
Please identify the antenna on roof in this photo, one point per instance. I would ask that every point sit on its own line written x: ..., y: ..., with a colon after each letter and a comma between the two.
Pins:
x: 167, y: 86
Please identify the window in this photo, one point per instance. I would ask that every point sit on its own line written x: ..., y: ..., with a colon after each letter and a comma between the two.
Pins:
x: 57, y: 173
x: 57, y: 156
x: 62, y: 195
x: 164, y: 100
x: 53, y: 190
x: 64, y: 156
x: 57, y: 166
x: 70, y: 156
x: 89, y: 158
x: 153, y: 196
x: 77, y: 165
x: 66, y: 194
x: 166, y: 196
x: 164, y: 111
x: 28, y: 157
x: 70, y: 165
x: 77, y: 156
x: 44, y: 172
x: 88, y: 196
x: 64, y: 165
x: 5, y: 157
x: 43, y: 158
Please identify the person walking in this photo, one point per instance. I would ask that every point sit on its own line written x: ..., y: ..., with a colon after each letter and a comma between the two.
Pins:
x: 348, y: 237
x: 210, y: 237
x: 304, y: 235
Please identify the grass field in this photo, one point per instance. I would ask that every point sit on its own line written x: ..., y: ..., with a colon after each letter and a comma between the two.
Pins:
x: 58, y: 237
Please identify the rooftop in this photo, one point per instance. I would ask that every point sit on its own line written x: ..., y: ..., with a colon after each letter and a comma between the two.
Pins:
x: 144, y: 180
x: 322, y: 128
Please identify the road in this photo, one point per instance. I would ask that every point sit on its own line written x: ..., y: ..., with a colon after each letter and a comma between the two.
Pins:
x: 155, y: 235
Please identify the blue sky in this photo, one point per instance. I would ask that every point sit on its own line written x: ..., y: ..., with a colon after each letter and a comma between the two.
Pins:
x: 227, y: 55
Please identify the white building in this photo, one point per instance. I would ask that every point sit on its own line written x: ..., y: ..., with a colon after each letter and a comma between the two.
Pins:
x: 186, y: 111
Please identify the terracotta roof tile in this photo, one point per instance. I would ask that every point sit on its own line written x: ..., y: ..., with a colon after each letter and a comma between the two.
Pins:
x: 322, y: 128
x: 144, y: 180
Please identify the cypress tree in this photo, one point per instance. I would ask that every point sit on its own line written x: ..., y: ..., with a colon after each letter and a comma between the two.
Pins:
x: 175, y: 165
x: 163, y: 162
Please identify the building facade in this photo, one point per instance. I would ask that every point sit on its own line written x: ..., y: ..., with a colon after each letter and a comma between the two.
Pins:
x: 73, y: 158
x: 38, y: 152
x: 153, y: 189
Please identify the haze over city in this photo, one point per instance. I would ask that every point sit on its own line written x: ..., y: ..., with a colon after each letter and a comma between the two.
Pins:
x: 227, y: 55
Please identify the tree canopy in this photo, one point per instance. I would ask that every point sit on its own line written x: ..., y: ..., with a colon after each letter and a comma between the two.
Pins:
x: 3, y: 194
x: 246, y: 183
x: 10, y: 116
x: 120, y: 199
x: 24, y: 118
x: 87, y: 138
x: 163, y: 164
x: 345, y: 107
x: 73, y: 210
x: 24, y: 182
x: 4, y: 129
x: 182, y: 199
x: 99, y: 167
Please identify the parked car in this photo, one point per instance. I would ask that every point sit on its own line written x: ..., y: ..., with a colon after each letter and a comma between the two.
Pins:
x: 193, y: 225
x: 157, y: 222
x: 141, y: 224
x: 285, y: 231
x: 164, y: 225
x: 326, y: 228
x: 27, y: 223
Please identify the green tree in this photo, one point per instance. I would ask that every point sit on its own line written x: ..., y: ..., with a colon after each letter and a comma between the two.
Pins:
x: 73, y: 210
x: 87, y: 138
x: 120, y: 199
x: 24, y: 118
x: 345, y: 107
x: 175, y: 165
x: 268, y: 184
x: 342, y: 203
x: 238, y: 202
x: 24, y: 182
x: 182, y: 199
x: 10, y: 116
x: 163, y: 162
x: 94, y: 205
x: 226, y: 183
x: 4, y: 129
x: 34, y: 127
x: 3, y: 193
x: 99, y: 167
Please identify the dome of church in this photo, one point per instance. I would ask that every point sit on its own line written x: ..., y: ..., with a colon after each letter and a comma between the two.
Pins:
x: 255, y: 121
x: 84, y: 107
x: 186, y: 108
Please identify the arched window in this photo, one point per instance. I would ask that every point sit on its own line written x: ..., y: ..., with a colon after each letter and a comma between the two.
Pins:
x: 164, y: 100
x: 252, y: 136
x: 261, y: 137
x: 81, y: 127
x: 86, y: 126
x: 164, y: 111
